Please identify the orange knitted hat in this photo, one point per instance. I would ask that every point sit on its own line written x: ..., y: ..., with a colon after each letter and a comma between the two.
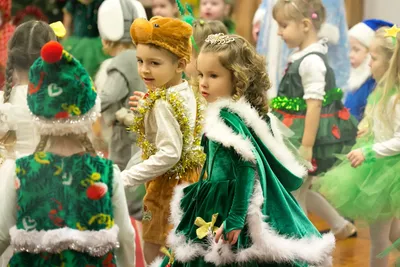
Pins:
x: 168, y: 33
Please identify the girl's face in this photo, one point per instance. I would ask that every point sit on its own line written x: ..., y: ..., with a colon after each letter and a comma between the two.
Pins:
x: 215, y: 81
x: 213, y: 9
x: 163, y: 8
x: 379, y: 63
x: 291, y: 32
x: 358, y: 52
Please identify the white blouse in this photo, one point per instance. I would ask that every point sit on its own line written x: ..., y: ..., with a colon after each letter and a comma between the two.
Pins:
x: 387, y: 134
x: 312, y: 70
x: 163, y: 130
x: 16, y: 115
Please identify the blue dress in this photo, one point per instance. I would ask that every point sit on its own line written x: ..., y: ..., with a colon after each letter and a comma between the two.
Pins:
x: 357, y: 100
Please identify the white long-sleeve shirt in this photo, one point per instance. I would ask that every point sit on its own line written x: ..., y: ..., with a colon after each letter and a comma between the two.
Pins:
x: 163, y: 130
x: 387, y: 135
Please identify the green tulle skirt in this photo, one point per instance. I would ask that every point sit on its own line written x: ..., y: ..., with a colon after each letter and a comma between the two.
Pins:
x: 89, y: 52
x: 370, y: 192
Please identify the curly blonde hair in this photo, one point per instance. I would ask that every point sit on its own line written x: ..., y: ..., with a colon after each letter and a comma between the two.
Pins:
x: 298, y: 10
x: 250, y: 78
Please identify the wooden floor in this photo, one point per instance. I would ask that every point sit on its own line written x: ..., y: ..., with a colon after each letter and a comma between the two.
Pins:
x: 352, y: 252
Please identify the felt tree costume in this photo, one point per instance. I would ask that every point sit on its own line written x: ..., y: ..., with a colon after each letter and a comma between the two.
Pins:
x: 65, y: 215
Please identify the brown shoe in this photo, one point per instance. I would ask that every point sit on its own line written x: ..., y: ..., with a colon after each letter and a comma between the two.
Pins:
x: 347, y: 231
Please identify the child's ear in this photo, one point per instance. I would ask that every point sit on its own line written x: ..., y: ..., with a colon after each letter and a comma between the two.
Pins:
x: 182, y: 63
x: 306, y: 25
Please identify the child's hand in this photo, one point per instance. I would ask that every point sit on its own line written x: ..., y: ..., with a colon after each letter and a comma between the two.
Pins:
x: 232, y: 236
x: 306, y: 152
x: 356, y: 157
x: 134, y: 100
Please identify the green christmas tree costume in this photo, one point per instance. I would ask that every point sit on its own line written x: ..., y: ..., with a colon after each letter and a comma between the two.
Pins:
x: 370, y: 192
x: 337, y: 128
x: 245, y: 184
x: 64, y: 206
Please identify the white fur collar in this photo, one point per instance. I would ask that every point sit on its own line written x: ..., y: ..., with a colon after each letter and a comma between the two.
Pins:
x: 216, y: 130
x: 359, y: 75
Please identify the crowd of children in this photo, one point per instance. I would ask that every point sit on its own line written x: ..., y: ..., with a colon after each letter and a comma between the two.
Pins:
x: 119, y: 131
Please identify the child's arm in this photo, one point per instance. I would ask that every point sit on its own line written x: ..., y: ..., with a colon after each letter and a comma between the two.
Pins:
x: 126, y: 236
x: 169, y: 144
x: 389, y: 147
x: 244, y: 187
x: 67, y: 18
x: 312, y: 71
x: 8, y: 210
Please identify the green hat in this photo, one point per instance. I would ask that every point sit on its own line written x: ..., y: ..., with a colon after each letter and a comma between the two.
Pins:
x: 61, y: 95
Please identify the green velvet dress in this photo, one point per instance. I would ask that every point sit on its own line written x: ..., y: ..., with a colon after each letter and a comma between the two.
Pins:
x: 65, y: 213
x: 337, y: 128
x: 245, y: 185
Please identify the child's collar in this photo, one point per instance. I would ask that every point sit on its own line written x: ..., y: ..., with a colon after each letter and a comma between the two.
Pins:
x: 182, y: 86
x: 320, y: 47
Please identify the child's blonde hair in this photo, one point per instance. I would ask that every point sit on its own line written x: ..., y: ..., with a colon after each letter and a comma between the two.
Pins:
x: 390, y: 83
x: 81, y: 138
x: 202, y: 29
x: 110, y: 45
x: 248, y: 70
x: 298, y: 10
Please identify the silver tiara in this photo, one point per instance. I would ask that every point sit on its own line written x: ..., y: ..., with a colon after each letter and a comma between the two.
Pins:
x: 219, y: 39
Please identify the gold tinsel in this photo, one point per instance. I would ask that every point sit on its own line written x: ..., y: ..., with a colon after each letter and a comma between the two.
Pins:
x: 192, y: 155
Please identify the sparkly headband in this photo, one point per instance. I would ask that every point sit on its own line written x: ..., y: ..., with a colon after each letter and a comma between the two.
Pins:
x: 219, y: 39
x: 392, y: 32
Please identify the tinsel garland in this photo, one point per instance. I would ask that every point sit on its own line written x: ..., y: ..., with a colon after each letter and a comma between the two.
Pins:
x: 299, y: 104
x: 192, y: 155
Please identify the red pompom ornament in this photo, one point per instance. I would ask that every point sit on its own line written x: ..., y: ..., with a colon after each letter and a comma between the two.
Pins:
x: 51, y: 52
x: 96, y: 191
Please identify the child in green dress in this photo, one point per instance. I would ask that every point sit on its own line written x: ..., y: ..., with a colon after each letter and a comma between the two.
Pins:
x: 241, y: 211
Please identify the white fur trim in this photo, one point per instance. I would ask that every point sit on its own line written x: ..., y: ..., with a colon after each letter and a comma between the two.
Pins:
x: 216, y: 129
x: 157, y: 262
x: 95, y: 243
x: 331, y: 32
x: 77, y: 125
x: 363, y: 33
x: 268, y: 245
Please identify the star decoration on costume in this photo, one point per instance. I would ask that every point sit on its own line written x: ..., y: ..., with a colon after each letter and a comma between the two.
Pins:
x: 392, y: 32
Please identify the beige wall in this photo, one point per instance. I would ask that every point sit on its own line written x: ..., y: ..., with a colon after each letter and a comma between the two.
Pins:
x: 382, y: 9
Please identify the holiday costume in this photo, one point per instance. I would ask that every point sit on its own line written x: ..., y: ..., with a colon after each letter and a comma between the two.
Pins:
x: 309, y: 76
x: 84, y: 43
x: 371, y: 191
x: 64, y: 210
x: 276, y: 52
x: 361, y: 83
x: 115, y: 19
x: 168, y: 129
x: 245, y: 185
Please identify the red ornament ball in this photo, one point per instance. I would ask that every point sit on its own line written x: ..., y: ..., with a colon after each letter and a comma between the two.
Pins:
x: 96, y: 191
x: 51, y: 52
